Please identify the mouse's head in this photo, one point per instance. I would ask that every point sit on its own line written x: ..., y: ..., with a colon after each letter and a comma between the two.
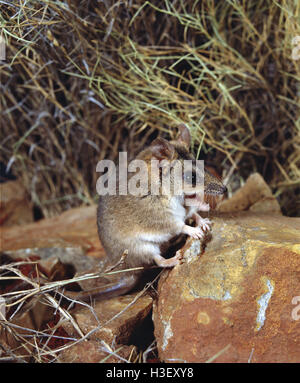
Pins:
x: 187, y: 176
x: 176, y: 164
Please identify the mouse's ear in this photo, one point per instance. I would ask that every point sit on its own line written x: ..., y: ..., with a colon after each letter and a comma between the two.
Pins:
x: 162, y: 149
x: 185, y: 135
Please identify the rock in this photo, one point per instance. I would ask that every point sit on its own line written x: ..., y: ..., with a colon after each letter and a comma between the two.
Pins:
x: 15, y: 208
x: 16, y: 334
x: 234, y: 302
x: 105, y: 320
x: 72, y: 239
x: 54, y: 261
x: 69, y: 239
x: 76, y: 227
x: 266, y: 205
x: 255, y: 196
x: 96, y: 351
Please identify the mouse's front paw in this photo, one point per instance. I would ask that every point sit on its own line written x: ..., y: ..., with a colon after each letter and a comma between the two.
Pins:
x: 204, y: 223
x: 194, y: 232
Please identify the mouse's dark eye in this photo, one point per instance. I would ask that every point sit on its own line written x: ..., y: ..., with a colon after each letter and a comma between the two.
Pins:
x: 190, y: 178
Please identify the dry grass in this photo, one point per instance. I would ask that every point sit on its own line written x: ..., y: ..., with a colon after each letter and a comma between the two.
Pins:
x: 26, y: 343
x: 82, y: 82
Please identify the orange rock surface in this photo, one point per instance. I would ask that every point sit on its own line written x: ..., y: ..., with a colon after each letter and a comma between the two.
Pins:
x: 74, y: 227
x: 234, y: 303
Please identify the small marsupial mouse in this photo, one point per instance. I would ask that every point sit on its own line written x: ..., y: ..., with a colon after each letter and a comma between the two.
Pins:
x: 140, y: 224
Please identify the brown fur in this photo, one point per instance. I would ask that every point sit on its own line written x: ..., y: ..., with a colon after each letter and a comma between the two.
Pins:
x: 141, y: 224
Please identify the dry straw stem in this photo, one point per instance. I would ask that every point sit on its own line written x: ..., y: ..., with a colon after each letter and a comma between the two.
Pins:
x: 35, y: 342
x: 82, y: 82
